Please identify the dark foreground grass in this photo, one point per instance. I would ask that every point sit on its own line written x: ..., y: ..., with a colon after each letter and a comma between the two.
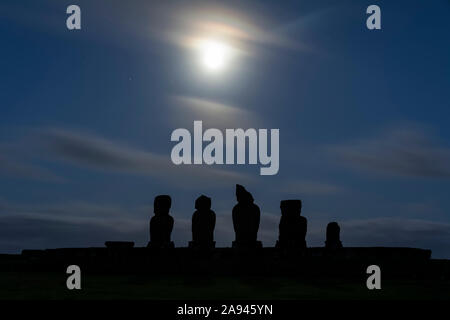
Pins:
x: 39, y: 285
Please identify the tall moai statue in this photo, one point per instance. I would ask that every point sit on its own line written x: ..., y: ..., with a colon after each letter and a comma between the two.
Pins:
x: 161, y: 224
x: 203, y: 224
x: 293, y: 226
x: 246, y: 217
x: 333, y: 236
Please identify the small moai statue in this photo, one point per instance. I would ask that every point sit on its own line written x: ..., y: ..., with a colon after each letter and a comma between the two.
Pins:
x: 333, y: 236
x: 293, y: 226
x: 161, y: 224
x: 246, y: 217
x: 203, y: 224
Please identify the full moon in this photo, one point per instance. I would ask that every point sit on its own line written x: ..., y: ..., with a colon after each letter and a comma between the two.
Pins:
x: 214, y: 55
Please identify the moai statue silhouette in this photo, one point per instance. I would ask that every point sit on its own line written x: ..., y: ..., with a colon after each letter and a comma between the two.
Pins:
x: 293, y: 227
x: 246, y: 217
x: 203, y: 224
x: 161, y: 224
x: 333, y: 236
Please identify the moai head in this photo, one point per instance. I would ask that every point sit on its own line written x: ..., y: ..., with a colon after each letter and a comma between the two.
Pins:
x: 161, y: 205
x: 291, y: 207
x: 203, y: 203
x: 242, y: 195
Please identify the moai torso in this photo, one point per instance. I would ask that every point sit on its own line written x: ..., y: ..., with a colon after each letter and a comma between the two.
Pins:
x: 161, y: 224
x: 333, y: 236
x: 161, y: 228
x: 293, y: 227
x: 203, y: 221
x: 246, y: 217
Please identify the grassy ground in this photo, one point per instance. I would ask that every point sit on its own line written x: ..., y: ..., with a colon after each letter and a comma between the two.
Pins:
x: 15, y: 285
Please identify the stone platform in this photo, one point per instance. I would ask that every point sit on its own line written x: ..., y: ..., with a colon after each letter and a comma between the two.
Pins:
x: 315, y: 261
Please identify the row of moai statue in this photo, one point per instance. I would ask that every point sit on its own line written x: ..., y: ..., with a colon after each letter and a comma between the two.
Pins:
x: 246, y: 217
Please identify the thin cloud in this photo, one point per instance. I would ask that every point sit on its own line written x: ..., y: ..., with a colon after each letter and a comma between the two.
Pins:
x: 204, y: 105
x: 87, y: 150
x: 213, y: 113
x: 190, y: 23
x: 74, y: 210
x: 19, y: 169
x: 401, y: 151
x: 309, y: 188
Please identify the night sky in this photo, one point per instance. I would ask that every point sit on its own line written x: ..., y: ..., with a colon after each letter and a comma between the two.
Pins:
x: 86, y: 118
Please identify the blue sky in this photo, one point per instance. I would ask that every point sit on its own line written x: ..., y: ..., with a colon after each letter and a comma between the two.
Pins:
x: 86, y: 118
